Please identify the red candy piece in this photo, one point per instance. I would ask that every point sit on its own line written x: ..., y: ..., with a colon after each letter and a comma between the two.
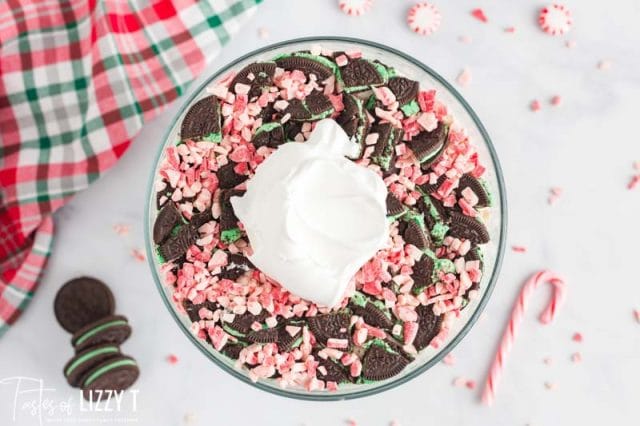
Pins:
x: 479, y: 15
x: 577, y: 337
x: 424, y: 18
x: 555, y: 19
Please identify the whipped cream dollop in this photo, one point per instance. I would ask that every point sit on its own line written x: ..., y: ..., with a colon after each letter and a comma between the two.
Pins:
x: 312, y: 216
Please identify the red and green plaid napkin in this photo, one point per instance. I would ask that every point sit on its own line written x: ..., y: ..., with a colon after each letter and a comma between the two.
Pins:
x: 78, y: 79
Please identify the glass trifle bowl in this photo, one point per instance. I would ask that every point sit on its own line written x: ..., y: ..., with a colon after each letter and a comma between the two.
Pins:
x: 207, y: 328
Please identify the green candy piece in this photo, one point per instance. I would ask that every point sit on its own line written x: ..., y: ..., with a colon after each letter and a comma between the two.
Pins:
x: 410, y: 109
x: 439, y: 231
x: 229, y: 236
x: 213, y: 137
x: 267, y: 127
x: 359, y: 299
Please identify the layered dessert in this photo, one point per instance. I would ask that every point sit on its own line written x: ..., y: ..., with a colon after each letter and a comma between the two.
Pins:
x: 321, y: 219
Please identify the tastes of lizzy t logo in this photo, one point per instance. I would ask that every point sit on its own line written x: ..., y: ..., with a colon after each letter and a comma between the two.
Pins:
x: 26, y: 400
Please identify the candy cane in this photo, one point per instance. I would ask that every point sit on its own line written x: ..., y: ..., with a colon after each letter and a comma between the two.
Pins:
x: 517, y: 313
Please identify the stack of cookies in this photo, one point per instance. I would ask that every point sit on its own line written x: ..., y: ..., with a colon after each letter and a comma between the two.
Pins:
x: 85, y: 308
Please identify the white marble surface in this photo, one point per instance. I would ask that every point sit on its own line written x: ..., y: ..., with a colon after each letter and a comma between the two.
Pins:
x: 586, y: 146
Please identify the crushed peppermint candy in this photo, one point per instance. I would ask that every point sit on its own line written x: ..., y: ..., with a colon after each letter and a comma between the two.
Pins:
x: 479, y: 15
x: 554, y: 194
x: 464, y: 78
x: 121, y: 229
x: 535, y: 105
x: 138, y: 255
x: 577, y: 337
x: 519, y: 249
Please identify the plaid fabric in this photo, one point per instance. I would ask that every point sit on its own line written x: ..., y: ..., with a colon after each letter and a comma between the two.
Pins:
x: 77, y: 81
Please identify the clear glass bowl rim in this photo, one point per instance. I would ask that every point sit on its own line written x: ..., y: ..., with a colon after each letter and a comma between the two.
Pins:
x: 328, y: 396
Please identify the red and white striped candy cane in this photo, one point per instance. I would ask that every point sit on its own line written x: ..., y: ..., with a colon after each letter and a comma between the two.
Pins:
x: 517, y: 313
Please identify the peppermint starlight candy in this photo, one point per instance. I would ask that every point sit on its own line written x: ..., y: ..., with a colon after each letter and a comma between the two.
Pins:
x: 555, y: 19
x: 424, y: 18
x: 355, y: 7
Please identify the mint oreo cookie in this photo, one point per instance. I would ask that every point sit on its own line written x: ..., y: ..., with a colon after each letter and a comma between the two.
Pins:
x: 82, y: 301
x: 87, y: 359
x: 115, y: 374
x: 202, y: 121
x: 382, y: 363
x: 113, y: 329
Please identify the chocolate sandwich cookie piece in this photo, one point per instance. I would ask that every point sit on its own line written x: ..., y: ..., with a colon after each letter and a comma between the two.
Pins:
x: 270, y: 134
x: 266, y: 335
x: 381, y: 363
x: 228, y: 178
x: 229, y: 229
x: 331, y: 371
x: 287, y: 342
x: 292, y: 129
x: 415, y: 235
x: 468, y: 181
x: 242, y: 323
x: 429, y: 188
x: 268, y: 113
x: 202, y: 121
x: 112, y: 329
x: 373, y: 314
x: 258, y: 75
x: 176, y: 246
x: 115, y: 374
x: 427, y: 146
x: 232, y: 350
x: 354, y: 121
x: 404, y: 89
x: 468, y: 228
x: 193, y: 309
x: 429, y: 325
x: 330, y: 326
x: 384, y: 151
x: 168, y: 217
x: 475, y: 254
x: 315, y: 106
x: 86, y: 360
x: 436, y: 217
x: 395, y: 208
x: 309, y: 64
x: 82, y: 301
x: 199, y: 219
x: 360, y: 73
x: 237, y: 265
x: 423, y: 273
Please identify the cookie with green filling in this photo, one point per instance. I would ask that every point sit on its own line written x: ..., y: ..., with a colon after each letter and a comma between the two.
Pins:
x: 359, y: 74
x: 330, y: 326
x: 115, y: 374
x: 269, y: 134
x: 168, y: 217
x: 315, y: 106
x: 354, y: 121
x: 202, y: 121
x: 427, y: 146
x: 262, y: 73
x: 381, y: 363
x: 395, y: 208
x: 85, y: 360
x: 373, y: 312
x: 477, y: 186
x: 113, y: 329
x: 309, y: 64
x: 468, y: 228
x: 404, y: 89
x: 384, y: 151
x: 229, y: 229
x: 178, y: 243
